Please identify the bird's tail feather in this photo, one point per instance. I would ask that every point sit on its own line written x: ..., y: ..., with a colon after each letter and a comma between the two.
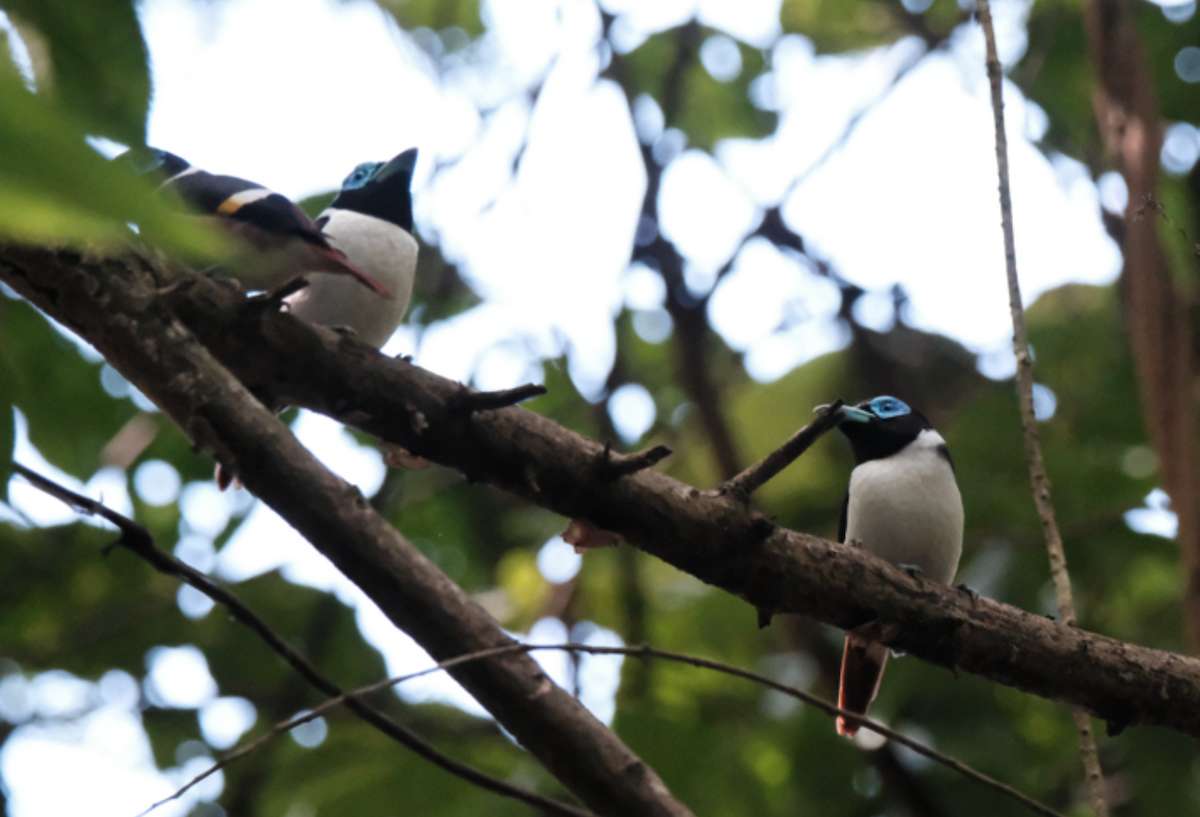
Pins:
x: 862, y: 669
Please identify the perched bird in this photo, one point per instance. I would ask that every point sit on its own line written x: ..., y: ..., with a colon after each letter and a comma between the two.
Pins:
x: 371, y: 222
x: 285, y: 242
x: 902, y: 505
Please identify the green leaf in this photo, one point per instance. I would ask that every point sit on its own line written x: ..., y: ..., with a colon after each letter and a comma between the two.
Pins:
x: 713, y: 110
x: 1060, y: 78
x: 56, y: 189
x: 705, y: 109
x: 8, y: 430
x: 841, y: 25
x: 313, y: 205
x: 96, y: 61
x: 439, y: 291
x: 438, y: 15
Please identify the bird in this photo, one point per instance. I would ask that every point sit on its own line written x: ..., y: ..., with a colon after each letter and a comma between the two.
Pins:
x: 902, y: 505
x: 283, y: 242
x: 371, y: 221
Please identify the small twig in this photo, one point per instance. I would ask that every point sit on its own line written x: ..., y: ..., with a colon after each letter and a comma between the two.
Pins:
x: 614, y: 466
x: 349, y: 699
x: 471, y: 401
x: 1153, y: 205
x: 642, y: 652
x: 1033, y: 449
x: 138, y: 539
x: 83, y: 504
x: 754, y: 477
x: 274, y: 298
x: 827, y: 708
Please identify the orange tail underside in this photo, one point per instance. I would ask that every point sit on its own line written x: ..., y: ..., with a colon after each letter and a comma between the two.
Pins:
x: 862, y: 669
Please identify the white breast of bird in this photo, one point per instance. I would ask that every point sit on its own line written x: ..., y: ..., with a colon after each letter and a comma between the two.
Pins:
x: 382, y: 250
x: 907, y: 508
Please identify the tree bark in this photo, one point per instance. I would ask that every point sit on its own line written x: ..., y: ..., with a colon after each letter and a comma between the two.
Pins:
x: 713, y: 536
x: 118, y: 310
x: 1155, y: 308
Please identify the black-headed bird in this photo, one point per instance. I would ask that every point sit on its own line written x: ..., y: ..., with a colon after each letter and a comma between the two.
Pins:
x: 371, y: 222
x: 903, y: 505
x: 281, y: 241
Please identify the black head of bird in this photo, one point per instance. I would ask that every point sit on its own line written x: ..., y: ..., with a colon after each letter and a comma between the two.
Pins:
x: 381, y: 189
x: 371, y: 221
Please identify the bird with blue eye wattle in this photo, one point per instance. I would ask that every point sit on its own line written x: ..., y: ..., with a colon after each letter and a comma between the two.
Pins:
x: 281, y: 242
x: 370, y: 221
x: 902, y: 505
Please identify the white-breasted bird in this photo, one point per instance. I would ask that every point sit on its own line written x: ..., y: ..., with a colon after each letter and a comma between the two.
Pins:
x: 902, y: 505
x: 371, y: 222
x: 282, y: 241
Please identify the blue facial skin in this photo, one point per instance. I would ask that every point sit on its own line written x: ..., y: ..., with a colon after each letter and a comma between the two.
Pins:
x: 887, y: 407
x: 361, y: 175
x: 881, y: 408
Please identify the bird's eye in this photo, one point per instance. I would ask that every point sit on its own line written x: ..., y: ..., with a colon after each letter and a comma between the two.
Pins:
x: 887, y: 407
x: 360, y: 176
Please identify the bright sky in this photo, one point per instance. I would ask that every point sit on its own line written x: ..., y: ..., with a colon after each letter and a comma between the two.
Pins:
x: 575, y: 198
x: 908, y: 198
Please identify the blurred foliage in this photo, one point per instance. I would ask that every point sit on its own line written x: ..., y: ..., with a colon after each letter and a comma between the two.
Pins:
x: 8, y: 428
x: 88, y: 63
x: 723, y: 745
x: 91, y: 58
x: 706, y: 109
x: 836, y: 27
x: 1056, y: 74
x: 437, y: 15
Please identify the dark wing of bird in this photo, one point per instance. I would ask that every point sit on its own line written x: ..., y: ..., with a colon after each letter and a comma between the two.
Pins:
x: 844, y: 519
x: 250, y: 203
x: 278, y: 214
x: 944, y: 453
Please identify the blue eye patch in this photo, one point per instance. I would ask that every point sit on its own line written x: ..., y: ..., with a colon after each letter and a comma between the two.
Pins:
x: 887, y: 407
x: 360, y: 175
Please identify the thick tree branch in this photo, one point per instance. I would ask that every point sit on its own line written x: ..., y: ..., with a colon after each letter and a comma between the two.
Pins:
x: 1156, y: 315
x: 113, y: 304
x: 711, y: 536
x: 137, y: 539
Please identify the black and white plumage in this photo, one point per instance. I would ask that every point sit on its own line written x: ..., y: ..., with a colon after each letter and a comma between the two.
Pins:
x: 283, y: 242
x: 371, y: 222
x: 902, y: 505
